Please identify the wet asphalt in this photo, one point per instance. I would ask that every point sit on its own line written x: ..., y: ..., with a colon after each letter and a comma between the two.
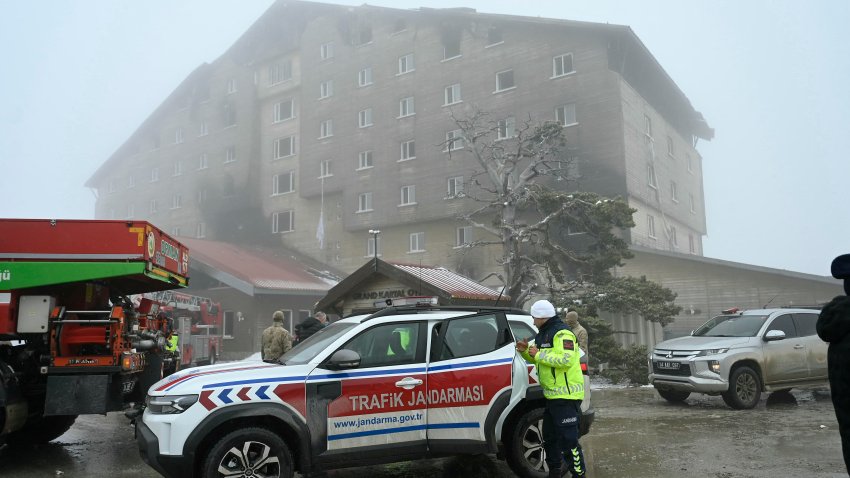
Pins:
x: 636, y: 434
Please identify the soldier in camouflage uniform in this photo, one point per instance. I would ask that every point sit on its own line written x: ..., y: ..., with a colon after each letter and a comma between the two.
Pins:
x: 276, y: 339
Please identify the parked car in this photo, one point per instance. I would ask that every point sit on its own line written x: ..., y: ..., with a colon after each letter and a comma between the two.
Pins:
x: 741, y: 354
x: 403, y: 383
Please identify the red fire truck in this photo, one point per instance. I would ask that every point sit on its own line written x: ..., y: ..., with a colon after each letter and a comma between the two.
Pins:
x: 197, y: 323
x: 71, y: 340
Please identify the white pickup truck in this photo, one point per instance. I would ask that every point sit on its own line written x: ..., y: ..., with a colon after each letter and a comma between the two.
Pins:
x: 739, y: 355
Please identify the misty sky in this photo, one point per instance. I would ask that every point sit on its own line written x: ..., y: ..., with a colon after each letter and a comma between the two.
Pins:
x: 771, y: 76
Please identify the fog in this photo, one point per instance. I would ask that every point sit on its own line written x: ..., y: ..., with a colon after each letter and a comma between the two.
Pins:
x: 771, y: 77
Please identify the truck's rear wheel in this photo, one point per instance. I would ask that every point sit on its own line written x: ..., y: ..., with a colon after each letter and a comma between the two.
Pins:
x: 744, y: 389
x: 525, y: 454
x: 674, y: 396
x: 41, y: 430
x: 250, y: 451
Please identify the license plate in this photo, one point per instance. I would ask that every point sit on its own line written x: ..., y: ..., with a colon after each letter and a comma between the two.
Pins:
x: 668, y: 365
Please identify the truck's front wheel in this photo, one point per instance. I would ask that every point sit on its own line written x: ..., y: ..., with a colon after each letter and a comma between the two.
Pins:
x: 744, y: 389
x: 249, y: 451
x: 525, y: 454
x: 41, y: 430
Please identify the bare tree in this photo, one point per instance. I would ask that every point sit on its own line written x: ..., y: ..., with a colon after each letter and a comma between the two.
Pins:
x: 520, y: 194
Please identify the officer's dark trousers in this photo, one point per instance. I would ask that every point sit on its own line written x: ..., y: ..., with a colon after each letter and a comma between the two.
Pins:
x: 560, y: 435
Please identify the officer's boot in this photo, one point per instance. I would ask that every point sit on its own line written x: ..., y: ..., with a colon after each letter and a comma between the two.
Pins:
x: 555, y: 472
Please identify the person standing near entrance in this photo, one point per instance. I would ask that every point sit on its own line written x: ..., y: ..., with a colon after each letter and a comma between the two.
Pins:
x: 276, y: 339
x: 580, y: 332
x: 554, y: 352
x: 310, y: 326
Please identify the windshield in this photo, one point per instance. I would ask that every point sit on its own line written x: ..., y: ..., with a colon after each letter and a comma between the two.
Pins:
x: 731, y: 326
x: 308, y: 349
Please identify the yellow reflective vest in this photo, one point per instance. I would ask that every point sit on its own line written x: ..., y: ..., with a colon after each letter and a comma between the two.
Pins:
x: 171, y: 344
x: 557, y: 361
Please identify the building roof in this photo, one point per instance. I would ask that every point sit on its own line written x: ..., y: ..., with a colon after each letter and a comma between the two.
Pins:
x: 426, y: 280
x: 256, y: 271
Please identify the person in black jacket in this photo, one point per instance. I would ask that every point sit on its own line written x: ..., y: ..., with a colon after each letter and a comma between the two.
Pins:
x: 834, y: 327
x: 310, y: 326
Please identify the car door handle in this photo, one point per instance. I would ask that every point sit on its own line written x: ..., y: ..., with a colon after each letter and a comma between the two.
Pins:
x: 798, y: 347
x: 408, y: 383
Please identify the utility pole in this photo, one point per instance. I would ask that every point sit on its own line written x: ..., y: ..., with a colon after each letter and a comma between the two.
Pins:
x: 374, y: 233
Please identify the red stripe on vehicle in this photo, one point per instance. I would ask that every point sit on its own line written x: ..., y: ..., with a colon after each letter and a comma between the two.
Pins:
x: 293, y: 394
x: 205, y: 400
x: 243, y: 394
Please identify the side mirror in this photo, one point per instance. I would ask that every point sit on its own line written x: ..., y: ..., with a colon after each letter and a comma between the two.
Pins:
x: 774, y: 335
x: 343, y: 359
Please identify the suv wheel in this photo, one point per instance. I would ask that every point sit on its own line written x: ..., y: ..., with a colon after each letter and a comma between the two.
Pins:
x: 249, y: 452
x: 674, y: 396
x: 744, y: 389
x: 525, y: 454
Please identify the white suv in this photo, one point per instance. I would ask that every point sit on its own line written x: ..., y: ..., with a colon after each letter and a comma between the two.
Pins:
x: 741, y: 354
x: 403, y: 383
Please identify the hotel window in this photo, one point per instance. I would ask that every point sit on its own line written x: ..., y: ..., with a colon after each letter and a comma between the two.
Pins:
x: 178, y: 168
x: 131, y: 182
x: 408, y: 195
x: 363, y: 35
x: 131, y: 211
x: 364, y: 118
x: 202, y: 161
x: 562, y: 65
x: 284, y: 147
x: 229, y: 116
x: 670, y: 146
x: 455, y: 186
x: 205, y: 130
x: 673, y: 237
x: 280, y: 72
x: 364, y: 160
x: 325, y: 169
x: 230, y: 154
x: 650, y: 226
x: 175, y: 231
x: 690, y: 163
x: 364, y: 76
x: 152, y: 206
x: 565, y: 115
x: 178, y: 136
x: 463, y: 236
x: 693, y: 203
x: 452, y: 95
x: 674, y: 191
x: 201, y: 196
x: 505, y: 80
x: 417, y: 242
x: 506, y: 128
x: 283, y: 221
x: 650, y: 176
x: 231, y: 86
x: 326, y: 50
x: 451, y: 46
x: 408, y: 150
x: 176, y: 201
x: 691, y: 244
x: 494, y: 36
x: 405, y: 64
x: 201, y: 230
x: 111, y: 187
x: 154, y: 175
x: 406, y: 107
x: 647, y: 126
x: 284, y: 110
x: 454, y: 140
x: 326, y: 129
x: 326, y: 89
x: 364, y: 202
x: 283, y: 183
